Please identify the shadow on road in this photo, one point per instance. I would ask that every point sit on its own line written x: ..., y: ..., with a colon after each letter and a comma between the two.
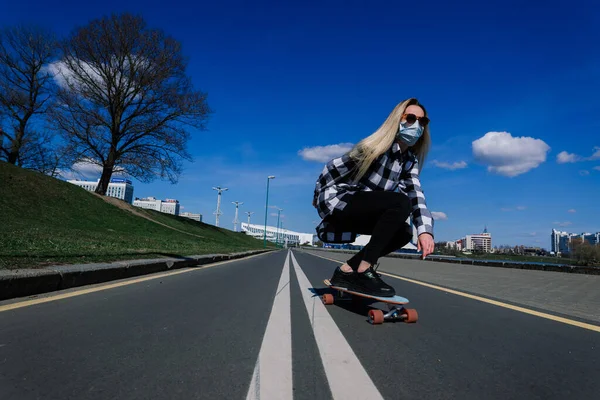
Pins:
x: 355, y: 304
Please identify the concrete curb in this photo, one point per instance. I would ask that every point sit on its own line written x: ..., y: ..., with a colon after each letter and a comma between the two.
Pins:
x: 484, y: 263
x: 28, y: 282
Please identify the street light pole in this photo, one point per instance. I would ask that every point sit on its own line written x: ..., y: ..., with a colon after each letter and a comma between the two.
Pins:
x: 279, y: 210
x: 249, y: 214
x: 218, y: 213
x: 235, y: 220
x: 267, y: 211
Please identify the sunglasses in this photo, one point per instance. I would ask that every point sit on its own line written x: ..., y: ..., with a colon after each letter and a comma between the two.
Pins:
x: 412, y: 118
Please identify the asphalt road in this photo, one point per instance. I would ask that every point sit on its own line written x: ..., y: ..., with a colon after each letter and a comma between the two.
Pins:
x: 253, y: 328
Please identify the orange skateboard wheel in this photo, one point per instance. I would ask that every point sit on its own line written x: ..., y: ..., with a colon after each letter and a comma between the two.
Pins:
x: 376, y: 316
x: 411, y: 315
x: 328, y: 298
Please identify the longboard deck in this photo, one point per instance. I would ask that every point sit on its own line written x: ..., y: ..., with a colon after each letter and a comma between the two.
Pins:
x: 391, y: 300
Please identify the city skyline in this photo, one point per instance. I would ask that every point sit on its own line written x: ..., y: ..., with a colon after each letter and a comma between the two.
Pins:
x: 562, y: 241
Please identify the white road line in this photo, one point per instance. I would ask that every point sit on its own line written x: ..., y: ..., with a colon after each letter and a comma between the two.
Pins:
x: 346, y: 376
x: 272, y: 377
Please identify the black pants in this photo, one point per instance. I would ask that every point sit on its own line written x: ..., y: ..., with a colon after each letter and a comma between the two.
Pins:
x: 379, y: 214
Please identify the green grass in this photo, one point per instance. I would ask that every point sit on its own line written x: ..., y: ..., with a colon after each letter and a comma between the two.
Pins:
x: 45, y: 221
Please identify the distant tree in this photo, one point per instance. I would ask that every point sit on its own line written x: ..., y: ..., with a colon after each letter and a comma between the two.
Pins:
x: 124, y: 101
x: 442, y: 248
x: 26, y: 97
x: 585, y: 253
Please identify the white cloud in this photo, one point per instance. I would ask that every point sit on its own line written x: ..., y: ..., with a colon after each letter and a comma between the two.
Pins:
x: 439, y: 216
x: 453, y: 166
x: 518, y: 208
x: 563, y: 224
x: 528, y: 234
x: 564, y: 157
x: 584, y: 172
x: 572, y: 211
x: 509, y: 156
x: 88, y: 169
x: 67, y: 175
x: 325, y: 153
x: 66, y: 79
x: 597, y: 168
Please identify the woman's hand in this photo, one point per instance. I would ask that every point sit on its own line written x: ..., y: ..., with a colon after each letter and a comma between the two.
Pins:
x: 425, y: 243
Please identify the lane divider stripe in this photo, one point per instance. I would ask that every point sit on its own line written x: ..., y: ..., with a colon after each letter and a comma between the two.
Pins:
x: 346, y: 376
x: 272, y: 377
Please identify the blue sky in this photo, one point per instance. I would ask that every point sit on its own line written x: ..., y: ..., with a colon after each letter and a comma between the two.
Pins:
x: 283, y: 78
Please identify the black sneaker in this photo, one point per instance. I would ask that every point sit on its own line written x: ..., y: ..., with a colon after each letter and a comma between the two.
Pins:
x: 369, y: 282
x: 343, y: 279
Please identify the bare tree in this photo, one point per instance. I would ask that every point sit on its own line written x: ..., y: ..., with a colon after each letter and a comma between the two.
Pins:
x: 25, y: 96
x: 124, y: 100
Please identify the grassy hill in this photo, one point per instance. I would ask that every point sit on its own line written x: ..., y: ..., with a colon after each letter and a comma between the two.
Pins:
x: 46, y: 221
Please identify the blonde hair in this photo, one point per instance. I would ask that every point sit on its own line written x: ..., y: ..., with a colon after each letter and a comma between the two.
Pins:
x: 371, y: 147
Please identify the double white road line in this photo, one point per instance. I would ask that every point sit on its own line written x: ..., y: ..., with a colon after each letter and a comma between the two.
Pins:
x: 272, y: 378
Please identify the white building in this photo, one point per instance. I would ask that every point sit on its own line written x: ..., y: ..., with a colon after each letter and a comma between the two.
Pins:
x: 290, y: 238
x: 456, y: 245
x: 195, y: 217
x: 481, y: 241
x: 168, y: 206
x: 118, y: 187
x: 148, y: 203
x: 562, y: 242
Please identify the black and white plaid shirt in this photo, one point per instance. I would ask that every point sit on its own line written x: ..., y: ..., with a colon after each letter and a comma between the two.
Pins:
x: 391, y: 171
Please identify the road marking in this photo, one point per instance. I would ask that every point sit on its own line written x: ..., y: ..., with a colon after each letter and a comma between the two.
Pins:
x: 272, y: 377
x: 556, y: 318
x: 346, y: 376
x: 61, y: 296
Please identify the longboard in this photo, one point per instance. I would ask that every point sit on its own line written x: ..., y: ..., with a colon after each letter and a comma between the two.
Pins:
x: 377, y: 316
x: 391, y: 300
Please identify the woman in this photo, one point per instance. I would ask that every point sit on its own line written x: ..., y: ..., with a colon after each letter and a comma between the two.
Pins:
x: 356, y: 194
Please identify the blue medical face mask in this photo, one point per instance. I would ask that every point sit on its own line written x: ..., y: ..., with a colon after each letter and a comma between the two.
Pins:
x: 409, y: 134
